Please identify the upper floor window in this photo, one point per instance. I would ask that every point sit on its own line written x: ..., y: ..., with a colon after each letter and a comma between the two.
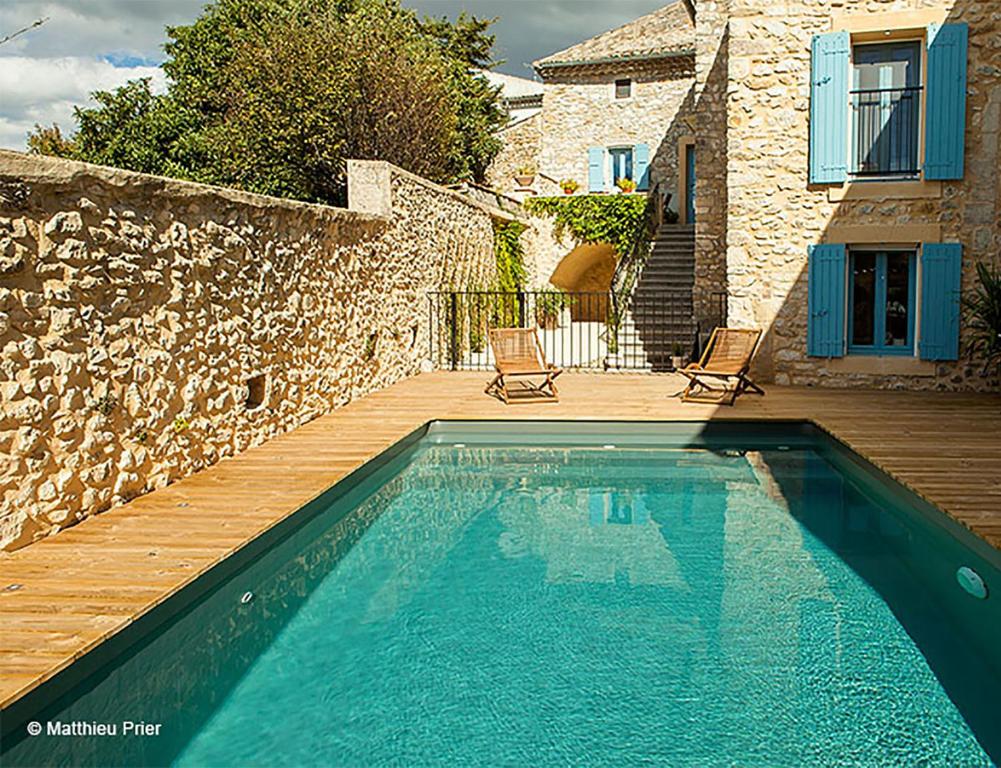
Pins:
x: 885, y: 109
x: 623, y: 89
x: 870, y: 117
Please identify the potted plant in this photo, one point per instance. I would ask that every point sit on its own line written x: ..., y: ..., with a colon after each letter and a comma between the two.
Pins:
x: 677, y: 356
x: 569, y: 186
x: 525, y: 175
x: 983, y: 318
x: 670, y: 216
x: 549, y: 308
x: 626, y: 186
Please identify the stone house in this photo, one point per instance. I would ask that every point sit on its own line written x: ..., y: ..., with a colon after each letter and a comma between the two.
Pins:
x: 848, y: 182
x: 614, y: 106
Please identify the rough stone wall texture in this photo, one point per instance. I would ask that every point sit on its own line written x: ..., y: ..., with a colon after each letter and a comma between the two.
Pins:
x: 709, y: 96
x: 134, y: 310
x: 772, y: 213
x: 522, y: 145
x: 579, y: 111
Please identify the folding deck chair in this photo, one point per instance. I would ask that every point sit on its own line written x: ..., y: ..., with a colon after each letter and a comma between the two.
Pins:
x: 518, y: 354
x: 727, y: 358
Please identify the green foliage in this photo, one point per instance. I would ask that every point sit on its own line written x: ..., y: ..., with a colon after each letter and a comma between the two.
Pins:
x: 983, y: 318
x: 614, y: 219
x: 273, y: 96
x: 467, y: 46
x: 49, y: 140
x: 510, y: 256
x: 549, y: 305
x: 133, y: 128
x: 620, y: 220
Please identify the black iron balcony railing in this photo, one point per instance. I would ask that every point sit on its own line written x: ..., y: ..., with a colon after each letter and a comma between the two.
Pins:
x: 885, y: 131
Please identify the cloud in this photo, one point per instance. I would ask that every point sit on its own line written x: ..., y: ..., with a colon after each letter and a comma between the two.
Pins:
x: 89, y: 45
x: 528, y: 30
x: 91, y: 28
x: 45, y: 90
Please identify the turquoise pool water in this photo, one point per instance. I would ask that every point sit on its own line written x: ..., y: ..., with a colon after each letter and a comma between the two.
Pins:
x: 740, y: 599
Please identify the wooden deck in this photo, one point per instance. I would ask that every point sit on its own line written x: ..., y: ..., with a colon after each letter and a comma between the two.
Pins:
x: 86, y: 583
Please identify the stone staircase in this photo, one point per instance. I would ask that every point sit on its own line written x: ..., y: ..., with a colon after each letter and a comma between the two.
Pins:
x: 662, y: 313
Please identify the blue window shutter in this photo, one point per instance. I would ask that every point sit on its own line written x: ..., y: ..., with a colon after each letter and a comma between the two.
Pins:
x: 945, y: 105
x: 941, y: 271
x: 596, y: 169
x: 826, y: 301
x: 829, y: 108
x: 641, y: 166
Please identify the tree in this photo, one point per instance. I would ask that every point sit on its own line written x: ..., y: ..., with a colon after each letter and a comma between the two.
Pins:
x: 49, y: 140
x: 322, y: 89
x: 273, y: 96
x: 468, y: 46
x: 133, y: 128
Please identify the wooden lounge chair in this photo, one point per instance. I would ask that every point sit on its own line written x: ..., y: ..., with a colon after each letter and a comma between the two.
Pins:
x: 518, y: 354
x: 727, y: 358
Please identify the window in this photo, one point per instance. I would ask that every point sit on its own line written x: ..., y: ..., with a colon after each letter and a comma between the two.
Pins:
x: 623, y: 89
x: 880, y: 296
x: 870, y: 104
x: 885, y: 109
x: 606, y: 165
x: 622, y: 163
x: 881, y: 302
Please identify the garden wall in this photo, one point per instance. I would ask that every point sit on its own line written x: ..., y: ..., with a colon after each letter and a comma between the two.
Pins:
x: 151, y: 327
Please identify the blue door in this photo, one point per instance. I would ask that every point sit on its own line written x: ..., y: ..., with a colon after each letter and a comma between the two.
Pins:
x: 690, y: 185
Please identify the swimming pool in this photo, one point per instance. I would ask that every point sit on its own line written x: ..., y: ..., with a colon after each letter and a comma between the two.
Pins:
x: 554, y: 593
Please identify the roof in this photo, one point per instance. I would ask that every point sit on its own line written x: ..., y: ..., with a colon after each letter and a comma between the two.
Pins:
x: 667, y: 32
x: 513, y: 87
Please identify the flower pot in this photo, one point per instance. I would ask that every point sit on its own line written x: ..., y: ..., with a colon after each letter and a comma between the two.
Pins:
x: 569, y: 191
x: 524, y: 181
x: 613, y: 361
x: 548, y: 321
x: 677, y: 362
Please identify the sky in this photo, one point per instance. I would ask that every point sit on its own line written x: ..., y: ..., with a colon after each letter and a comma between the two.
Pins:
x: 89, y: 45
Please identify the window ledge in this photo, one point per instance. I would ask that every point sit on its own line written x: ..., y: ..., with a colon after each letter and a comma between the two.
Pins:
x: 885, y: 190
x: 881, y: 365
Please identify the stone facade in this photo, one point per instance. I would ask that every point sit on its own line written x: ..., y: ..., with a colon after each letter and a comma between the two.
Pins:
x: 580, y: 111
x: 150, y: 327
x: 770, y: 213
x: 710, y: 107
x: 521, y: 146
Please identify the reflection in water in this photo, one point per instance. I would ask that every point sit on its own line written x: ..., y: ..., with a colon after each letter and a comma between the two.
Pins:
x: 535, y: 606
x: 601, y: 535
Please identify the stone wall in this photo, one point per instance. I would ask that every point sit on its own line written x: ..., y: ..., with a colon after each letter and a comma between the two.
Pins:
x: 710, y: 107
x: 580, y: 111
x: 522, y: 145
x: 151, y: 327
x: 773, y: 214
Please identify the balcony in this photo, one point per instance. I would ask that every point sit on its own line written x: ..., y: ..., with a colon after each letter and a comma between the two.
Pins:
x: 886, y: 126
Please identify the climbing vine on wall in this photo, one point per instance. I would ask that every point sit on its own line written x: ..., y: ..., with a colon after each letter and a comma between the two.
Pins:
x: 510, y: 255
x: 613, y: 219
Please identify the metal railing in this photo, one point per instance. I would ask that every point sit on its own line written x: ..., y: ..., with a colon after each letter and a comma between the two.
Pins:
x: 578, y: 330
x: 885, y: 131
